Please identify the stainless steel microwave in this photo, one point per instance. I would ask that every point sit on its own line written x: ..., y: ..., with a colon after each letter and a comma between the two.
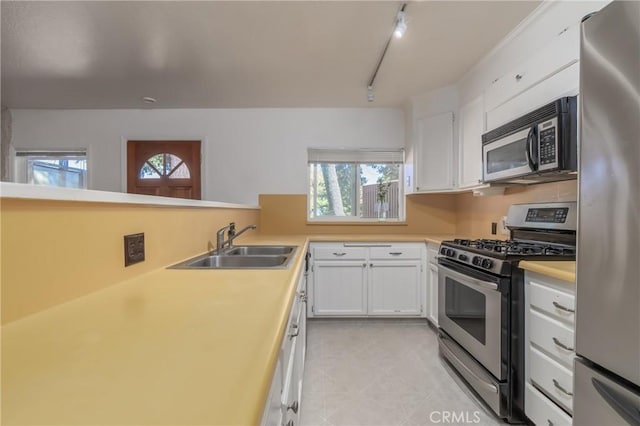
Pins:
x: 540, y: 146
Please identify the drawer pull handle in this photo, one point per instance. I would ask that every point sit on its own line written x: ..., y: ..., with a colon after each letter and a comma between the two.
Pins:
x: 562, y: 345
x: 339, y: 254
x: 563, y: 308
x: 561, y: 389
x: 395, y: 253
x: 296, y: 332
x: 294, y: 407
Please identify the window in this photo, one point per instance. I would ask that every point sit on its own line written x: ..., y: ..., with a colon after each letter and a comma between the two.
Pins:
x: 355, y: 185
x: 164, y: 164
x: 53, y: 168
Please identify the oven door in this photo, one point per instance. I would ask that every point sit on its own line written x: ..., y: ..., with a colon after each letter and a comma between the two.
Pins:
x: 470, y: 311
x: 510, y: 156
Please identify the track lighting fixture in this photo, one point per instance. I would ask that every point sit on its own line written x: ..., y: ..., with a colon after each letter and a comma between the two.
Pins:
x: 401, y: 25
x: 399, y: 29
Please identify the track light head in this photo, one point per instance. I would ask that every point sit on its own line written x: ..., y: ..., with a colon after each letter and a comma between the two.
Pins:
x: 401, y: 25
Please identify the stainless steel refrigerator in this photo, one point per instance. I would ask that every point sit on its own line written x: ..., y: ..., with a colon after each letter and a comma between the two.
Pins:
x: 607, y: 370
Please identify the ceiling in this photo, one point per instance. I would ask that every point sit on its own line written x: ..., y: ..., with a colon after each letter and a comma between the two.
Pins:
x: 103, y: 54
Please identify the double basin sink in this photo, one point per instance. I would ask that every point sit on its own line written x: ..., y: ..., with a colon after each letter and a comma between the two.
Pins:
x: 242, y: 257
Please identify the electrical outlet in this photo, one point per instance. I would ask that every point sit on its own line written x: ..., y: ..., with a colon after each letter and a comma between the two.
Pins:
x: 133, y: 249
x: 494, y: 228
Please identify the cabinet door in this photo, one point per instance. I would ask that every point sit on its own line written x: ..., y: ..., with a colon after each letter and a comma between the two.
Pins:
x: 394, y: 288
x: 432, y: 281
x: 434, y: 159
x: 339, y: 288
x: 470, y: 147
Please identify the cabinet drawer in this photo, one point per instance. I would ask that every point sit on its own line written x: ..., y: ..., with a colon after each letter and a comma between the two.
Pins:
x: 541, y: 411
x: 396, y: 252
x: 551, y: 377
x: 555, y: 302
x: 551, y: 335
x: 340, y: 253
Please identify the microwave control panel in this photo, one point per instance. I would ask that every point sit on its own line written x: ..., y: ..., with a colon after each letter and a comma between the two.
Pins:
x: 547, y: 136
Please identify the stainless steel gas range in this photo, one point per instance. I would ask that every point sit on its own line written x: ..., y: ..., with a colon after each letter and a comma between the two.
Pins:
x: 481, y: 300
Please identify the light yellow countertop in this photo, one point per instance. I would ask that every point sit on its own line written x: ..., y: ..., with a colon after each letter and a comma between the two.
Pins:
x: 179, y: 347
x: 561, y: 269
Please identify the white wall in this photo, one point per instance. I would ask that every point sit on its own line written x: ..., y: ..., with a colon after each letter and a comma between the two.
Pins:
x: 246, y: 151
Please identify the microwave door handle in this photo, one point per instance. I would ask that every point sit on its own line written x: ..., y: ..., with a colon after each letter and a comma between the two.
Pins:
x: 530, y: 139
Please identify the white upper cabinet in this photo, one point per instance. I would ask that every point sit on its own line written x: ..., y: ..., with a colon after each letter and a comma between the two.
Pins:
x: 549, y: 73
x: 471, y: 127
x: 434, y: 153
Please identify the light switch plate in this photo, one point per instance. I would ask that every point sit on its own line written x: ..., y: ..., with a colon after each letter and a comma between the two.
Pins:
x: 133, y: 249
x: 502, y: 226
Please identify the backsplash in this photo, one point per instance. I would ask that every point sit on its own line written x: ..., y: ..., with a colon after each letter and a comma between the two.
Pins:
x: 475, y: 214
x: 426, y: 214
x: 56, y: 251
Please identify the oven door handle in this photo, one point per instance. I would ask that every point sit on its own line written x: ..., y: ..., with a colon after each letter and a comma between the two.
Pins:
x: 488, y: 386
x: 465, y: 279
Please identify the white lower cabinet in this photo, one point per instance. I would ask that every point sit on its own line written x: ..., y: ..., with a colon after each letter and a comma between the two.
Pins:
x: 432, y: 283
x: 549, y: 349
x: 340, y: 288
x: 284, y: 401
x: 432, y: 278
x: 377, y: 279
x: 394, y: 288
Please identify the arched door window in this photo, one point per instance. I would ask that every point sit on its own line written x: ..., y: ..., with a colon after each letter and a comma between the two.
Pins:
x: 164, y: 165
x: 166, y: 168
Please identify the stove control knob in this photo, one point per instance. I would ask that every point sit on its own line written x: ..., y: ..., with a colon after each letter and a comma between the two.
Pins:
x: 443, y: 251
x: 463, y: 257
x: 487, y: 263
x: 451, y: 253
x: 477, y: 260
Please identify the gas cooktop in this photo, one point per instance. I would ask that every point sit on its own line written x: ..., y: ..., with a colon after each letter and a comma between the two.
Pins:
x: 504, y: 249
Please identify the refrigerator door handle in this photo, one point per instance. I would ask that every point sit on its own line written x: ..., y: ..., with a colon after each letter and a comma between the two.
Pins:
x: 625, y: 408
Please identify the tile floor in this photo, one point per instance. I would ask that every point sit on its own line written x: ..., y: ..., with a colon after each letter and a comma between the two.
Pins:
x: 380, y: 372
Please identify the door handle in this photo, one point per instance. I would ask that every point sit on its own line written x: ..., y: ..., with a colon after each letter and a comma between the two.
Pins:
x: 559, y: 344
x: 530, y: 136
x: 563, y: 308
x: 625, y: 408
x: 294, y: 407
x: 560, y: 388
x: 467, y: 280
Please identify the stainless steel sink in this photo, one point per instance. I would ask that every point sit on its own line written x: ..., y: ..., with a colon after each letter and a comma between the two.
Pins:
x: 259, y: 250
x: 243, y: 257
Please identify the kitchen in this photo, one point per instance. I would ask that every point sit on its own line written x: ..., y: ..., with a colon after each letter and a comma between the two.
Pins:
x: 67, y: 294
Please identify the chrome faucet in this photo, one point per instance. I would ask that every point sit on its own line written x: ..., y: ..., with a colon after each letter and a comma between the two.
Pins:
x: 220, y: 235
x: 232, y: 235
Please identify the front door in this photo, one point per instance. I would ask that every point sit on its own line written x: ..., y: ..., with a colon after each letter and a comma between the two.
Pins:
x: 164, y: 168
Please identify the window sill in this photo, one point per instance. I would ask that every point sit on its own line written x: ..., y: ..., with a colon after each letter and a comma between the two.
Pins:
x: 358, y: 223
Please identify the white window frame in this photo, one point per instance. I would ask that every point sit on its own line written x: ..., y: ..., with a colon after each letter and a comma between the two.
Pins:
x: 359, y: 156
x: 20, y: 174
